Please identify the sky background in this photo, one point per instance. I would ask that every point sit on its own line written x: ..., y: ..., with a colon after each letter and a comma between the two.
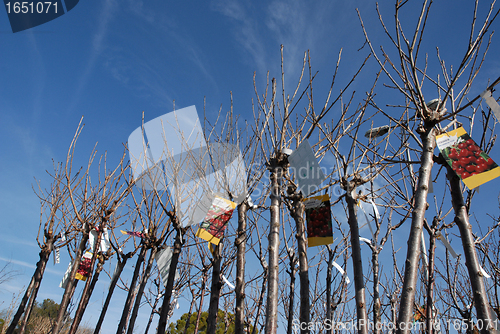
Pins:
x: 111, y: 60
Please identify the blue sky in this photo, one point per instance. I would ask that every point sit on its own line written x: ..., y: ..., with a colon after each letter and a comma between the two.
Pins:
x: 111, y: 60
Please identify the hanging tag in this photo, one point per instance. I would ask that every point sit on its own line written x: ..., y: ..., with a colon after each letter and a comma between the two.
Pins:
x: 104, y: 240
x: 447, y: 245
x: 375, y: 210
x: 57, y: 256
x: 369, y: 242
x: 485, y: 274
x: 319, y: 220
x: 492, y: 103
x: 466, y: 158
x: 92, y: 237
x: 339, y: 268
x: 367, y: 221
x: 227, y: 282
x: 213, y: 226
x: 65, y: 278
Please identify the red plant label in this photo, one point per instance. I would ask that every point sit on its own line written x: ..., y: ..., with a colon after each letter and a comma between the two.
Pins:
x: 319, y: 220
x: 466, y: 158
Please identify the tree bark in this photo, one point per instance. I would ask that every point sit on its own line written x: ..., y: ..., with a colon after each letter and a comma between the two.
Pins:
x: 376, y: 293
x: 429, y: 318
x: 165, y: 308
x: 274, y: 242
x: 356, y: 262
x: 89, y: 287
x: 142, y: 285
x: 213, y: 308
x: 240, y: 244
x: 86, y: 296
x: 292, y: 272
x: 427, y: 136
x: 329, y: 313
x: 131, y: 291
x: 298, y: 212
x: 70, y: 287
x: 33, y: 287
x: 471, y: 260
x: 112, y: 286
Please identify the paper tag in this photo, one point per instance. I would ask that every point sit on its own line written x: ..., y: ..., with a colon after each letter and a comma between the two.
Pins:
x: 365, y: 240
x: 485, y: 274
x: 447, y: 245
x: 57, y: 256
x: 375, y: 210
x: 492, y: 103
x: 64, y: 280
x: 339, y: 268
x: 367, y: 221
x: 227, y: 282
x: 446, y: 141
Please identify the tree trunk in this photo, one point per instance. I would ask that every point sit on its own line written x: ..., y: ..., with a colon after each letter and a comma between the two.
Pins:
x: 26, y: 316
x: 292, y: 272
x: 33, y: 287
x: 165, y: 308
x: 131, y: 291
x: 86, y: 297
x: 298, y: 212
x: 70, y: 287
x: 376, y: 293
x: 417, y: 220
x: 329, y: 313
x: 213, y: 308
x: 202, y: 297
x: 429, y: 318
x: 142, y: 285
x: 273, y: 249
x: 112, y: 286
x: 471, y: 260
x: 89, y: 287
x: 240, y: 244
x: 356, y: 262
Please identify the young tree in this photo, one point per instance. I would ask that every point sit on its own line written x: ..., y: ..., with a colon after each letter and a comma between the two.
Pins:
x: 407, y: 73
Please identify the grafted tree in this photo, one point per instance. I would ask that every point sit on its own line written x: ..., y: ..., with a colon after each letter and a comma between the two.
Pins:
x: 51, y: 229
x: 407, y: 72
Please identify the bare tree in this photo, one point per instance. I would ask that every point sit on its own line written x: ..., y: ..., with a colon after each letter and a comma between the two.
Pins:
x: 407, y: 76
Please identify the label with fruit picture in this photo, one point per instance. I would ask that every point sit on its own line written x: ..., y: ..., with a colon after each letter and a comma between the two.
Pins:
x: 319, y: 220
x: 466, y: 159
x: 213, y: 226
x: 83, y: 271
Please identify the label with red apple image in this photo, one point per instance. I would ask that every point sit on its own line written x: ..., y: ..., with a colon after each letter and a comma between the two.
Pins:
x: 213, y: 226
x: 319, y: 220
x: 466, y: 159
x: 83, y: 271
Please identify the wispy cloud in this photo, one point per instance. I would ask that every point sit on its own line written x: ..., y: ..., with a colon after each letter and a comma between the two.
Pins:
x: 151, y: 73
x: 12, y: 239
x: 247, y: 31
x: 98, y: 40
x: 17, y: 262
x: 298, y: 26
